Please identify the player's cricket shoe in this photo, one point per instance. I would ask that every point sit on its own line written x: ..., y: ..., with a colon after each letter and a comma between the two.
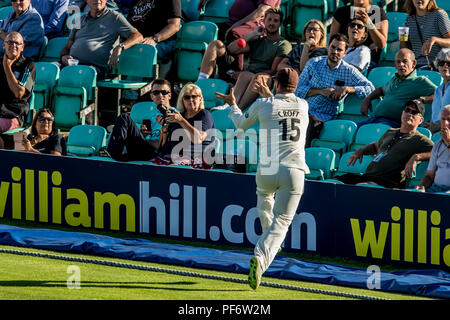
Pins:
x: 254, y: 277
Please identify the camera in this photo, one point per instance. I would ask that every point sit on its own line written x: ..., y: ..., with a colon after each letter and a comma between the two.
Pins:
x: 163, y: 110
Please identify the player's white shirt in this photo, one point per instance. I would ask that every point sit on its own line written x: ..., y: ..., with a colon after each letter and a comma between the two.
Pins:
x: 283, y: 121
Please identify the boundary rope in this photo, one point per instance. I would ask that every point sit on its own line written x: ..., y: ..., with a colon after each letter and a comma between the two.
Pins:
x: 187, y: 273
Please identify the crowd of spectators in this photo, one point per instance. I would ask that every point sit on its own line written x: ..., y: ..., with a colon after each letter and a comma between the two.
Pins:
x: 248, y: 53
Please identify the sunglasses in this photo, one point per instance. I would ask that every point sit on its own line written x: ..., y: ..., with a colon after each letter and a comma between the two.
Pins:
x: 17, y: 44
x: 43, y: 119
x: 356, y: 25
x: 163, y: 92
x: 17, y: 1
x: 411, y: 111
x: 442, y: 63
x: 188, y: 97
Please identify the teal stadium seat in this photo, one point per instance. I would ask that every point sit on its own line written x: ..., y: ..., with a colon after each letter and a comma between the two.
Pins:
x: 379, y: 76
x: 444, y: 4
x: 336, y: 135
x: 192, y: 41
x: 209, y: 88
x: 189, y: 8
x: 321, y: 163
x: 436, y: 136
x: 420, y: 171
x: 427, y: 133
x: 136, y: 69
x: 396, y: 19
x: 145, y: 110
x: 285, y: 7
x: 245, y: 151
x: 53, y: 49
x: 74, y: 96
x: 47, y: 75
x: 5, y: 11
x: 216, y: 10
x: 303, y: 11
x: 86, y: 140
x: 436, y: 78
x: 28, y: 118
x: 367, y: 134
x: 5, y: 3
x: 352, y: 109
x: 357, y: 168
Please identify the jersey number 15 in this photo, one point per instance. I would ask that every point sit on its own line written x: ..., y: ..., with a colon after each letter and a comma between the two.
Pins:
x: 294, y: 126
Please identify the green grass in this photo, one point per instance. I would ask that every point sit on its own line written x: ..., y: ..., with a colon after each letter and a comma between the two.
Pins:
x: 36, y: 278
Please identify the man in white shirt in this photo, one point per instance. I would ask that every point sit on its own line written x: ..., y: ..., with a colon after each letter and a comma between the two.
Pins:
x: 283, y: 121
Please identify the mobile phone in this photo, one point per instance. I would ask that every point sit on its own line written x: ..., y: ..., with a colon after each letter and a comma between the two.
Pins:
x: 339, y: 83
x: 148, y: 124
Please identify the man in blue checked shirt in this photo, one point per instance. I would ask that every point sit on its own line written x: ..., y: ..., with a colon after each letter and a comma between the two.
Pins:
x: 326, y: 81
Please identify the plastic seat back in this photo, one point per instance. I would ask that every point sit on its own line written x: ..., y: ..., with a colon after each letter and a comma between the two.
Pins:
x: 305, y: 10
x: 209, y: 88
x: 379, y: 76
x: 367, y: 134
x: 420, y: 171
x: 321, y: 162
x: 53, y: 49
x: 336, y: 135
x: 5, y: 11
x: 47, y: 75
x: 86, y: 140
x: 138, y: 61
x: 436, y: 136
x: 217, y: 10
x: 357, y: 168
x: 426, y: 132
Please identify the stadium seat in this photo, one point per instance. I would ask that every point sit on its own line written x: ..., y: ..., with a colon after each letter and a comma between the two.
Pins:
x: 352, y: 109
x: 357, y: 168
x: 209, y: 88
x: 216, y: 10
x: 321, y: 163
x: 28, y: 118
x: 433, y: 76
x: 243, y: 150
x: 379, y: 76
x: 285, y: 7
x: 436, y: 136
x: 336, y: 135
x: 43, y: 47
x: 5, y: 11
x: 420, y: 171
x: 444, y: 4
x: 136, y: 69
x: 146, y: 110
x: 303, y: 11
x: 367, y: 134
x: 427, y: 133
x: 189, y: 9
x: 47, y: 75
x: 86, y: 140
x: 396, y: 19
x: 53, y: 49
x: 192, y: 41
x: 75, y: 96
x: 72, y: 20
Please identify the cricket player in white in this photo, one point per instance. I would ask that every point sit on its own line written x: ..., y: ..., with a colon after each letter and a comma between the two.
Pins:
x: 278, y: 191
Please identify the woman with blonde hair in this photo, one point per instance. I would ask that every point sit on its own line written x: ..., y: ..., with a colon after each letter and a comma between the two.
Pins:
x: 429, y: 31
x: 314, y: 41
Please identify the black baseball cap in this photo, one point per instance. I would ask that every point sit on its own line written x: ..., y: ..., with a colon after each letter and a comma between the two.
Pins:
x: 418, y: 104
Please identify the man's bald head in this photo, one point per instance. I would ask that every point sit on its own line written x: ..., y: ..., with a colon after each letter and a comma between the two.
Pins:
x: 13, y: 45
x: 405, y: 62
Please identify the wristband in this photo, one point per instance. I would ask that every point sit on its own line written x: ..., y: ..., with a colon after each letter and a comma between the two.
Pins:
x: 370, y: 25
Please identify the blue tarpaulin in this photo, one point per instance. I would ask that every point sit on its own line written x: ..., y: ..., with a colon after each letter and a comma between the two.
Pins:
x: 427, y: 282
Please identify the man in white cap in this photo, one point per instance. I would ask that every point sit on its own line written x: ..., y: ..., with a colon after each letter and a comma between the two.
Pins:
x: 283, y: 121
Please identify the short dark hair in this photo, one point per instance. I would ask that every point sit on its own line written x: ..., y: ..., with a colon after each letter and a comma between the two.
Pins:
x: 274, y: 10
x: 161, y: 82
x: 339, y: 37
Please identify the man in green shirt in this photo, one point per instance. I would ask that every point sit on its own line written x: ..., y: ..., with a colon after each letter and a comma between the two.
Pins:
x: 396, y: 153
x: 404, y: 86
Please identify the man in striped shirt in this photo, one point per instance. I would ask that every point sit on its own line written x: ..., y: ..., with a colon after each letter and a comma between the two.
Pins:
x: 326, y: 81
x: 17, y: 76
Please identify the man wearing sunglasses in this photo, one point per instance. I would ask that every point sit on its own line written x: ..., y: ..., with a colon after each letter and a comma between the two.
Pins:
x: 27, y: 21
x: 396, y: 153
x: 17, y: 76
x: 126, y: 134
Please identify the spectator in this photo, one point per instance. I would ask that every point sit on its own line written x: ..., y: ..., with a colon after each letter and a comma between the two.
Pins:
x: 27, y: 21
x: 358, y: 55
x: 314, y: 41
x: 158, y: 22
x: 326, y: 81
x: 265, y: 48
x: 437, y: 177
x: 433, y: 34
x: 17, y: 76
x: 373, y: 16
x: 190, y: 105
x: 53, y: 14
x: 244, y: 17
x: 404, y: 86
x: 43, y: 137
x: 93, y: 42
x: 396, y: 153
x: 442, y: 93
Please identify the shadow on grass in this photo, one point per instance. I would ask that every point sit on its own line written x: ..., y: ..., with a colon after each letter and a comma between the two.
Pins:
x: 114, y: 285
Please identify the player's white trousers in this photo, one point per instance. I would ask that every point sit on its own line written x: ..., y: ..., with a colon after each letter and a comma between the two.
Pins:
x: 278, y: 197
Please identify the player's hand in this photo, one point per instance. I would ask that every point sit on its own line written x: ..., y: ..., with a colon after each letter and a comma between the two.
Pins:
x: 230, y: 99
x: 260, y: 87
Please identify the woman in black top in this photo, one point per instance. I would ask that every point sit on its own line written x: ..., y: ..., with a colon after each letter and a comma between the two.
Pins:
x: 43, y: 137
x: 375, y: 19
